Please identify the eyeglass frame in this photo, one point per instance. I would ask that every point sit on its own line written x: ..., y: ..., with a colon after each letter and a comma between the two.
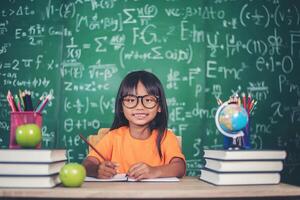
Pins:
x: 140, y: 97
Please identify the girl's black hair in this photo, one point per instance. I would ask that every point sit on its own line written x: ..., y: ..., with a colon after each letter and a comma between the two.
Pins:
x: 153, y: 87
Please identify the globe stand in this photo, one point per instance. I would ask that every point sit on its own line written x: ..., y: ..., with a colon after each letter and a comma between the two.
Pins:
x: 237, y: 137
x: 237, y: 143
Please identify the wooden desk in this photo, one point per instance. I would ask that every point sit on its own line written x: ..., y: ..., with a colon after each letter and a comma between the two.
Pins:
x: 188, y: 187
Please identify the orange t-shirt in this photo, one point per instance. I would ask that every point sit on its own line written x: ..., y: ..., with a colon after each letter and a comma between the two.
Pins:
x: 119, y: 146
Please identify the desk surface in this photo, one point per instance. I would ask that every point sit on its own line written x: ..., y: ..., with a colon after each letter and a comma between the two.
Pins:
x: 188, y: 187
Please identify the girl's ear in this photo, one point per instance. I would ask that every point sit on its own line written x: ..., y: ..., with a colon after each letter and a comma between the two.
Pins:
x: 159, y: 109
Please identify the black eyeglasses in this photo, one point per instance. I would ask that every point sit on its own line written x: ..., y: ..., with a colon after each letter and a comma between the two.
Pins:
x: 148, y: 101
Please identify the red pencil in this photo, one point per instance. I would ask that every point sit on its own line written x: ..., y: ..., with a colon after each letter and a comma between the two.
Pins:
x: 11, y: 102
x: 249, y: 101
x: 86, y: 141
x: 253, y: 103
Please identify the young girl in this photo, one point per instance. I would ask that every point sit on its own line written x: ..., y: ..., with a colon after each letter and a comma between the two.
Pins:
x: 138, y: 142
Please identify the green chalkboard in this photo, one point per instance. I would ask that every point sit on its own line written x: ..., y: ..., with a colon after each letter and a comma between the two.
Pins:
x: 200, y: 49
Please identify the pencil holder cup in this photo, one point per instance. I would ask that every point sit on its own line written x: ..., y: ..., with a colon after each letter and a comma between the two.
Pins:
x: 22, y: 118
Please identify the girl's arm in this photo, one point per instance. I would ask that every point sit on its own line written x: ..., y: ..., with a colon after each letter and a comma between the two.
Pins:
x: 91, y: 165
x: 176, y: 167
x: 94, y: 168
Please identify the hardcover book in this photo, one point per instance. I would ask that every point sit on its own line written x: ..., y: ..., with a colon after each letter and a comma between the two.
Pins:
x: 31, y: 168
x: 29, y: 181
x: 32, y: 155
x: 245, y: 154
x: 239, y: 178
x: 244, y: 165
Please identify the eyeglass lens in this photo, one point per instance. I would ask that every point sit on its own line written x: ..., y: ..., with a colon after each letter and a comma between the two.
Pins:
x: 148, y: 101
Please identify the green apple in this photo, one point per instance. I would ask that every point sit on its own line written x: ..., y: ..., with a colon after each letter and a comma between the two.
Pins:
x: 72, y: 175
x: 28, y: 135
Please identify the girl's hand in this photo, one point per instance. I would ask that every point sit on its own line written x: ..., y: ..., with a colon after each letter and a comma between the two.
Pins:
x: 141, y: 170
x: 107, y: 169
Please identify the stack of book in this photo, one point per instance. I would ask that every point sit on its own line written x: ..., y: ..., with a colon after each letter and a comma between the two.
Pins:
x: 31, y: 168
x: 242, y: 167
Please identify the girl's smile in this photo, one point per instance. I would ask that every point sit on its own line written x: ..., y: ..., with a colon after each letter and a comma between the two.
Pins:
x: 140, y: 115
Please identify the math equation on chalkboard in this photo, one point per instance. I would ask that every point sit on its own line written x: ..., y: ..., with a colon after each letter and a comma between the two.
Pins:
x: 203, y: 50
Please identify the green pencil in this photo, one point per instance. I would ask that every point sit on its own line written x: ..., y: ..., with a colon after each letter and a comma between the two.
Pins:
x: 18, y: 103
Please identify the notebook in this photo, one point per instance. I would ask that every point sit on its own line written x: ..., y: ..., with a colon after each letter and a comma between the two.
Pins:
x: 124, y: 178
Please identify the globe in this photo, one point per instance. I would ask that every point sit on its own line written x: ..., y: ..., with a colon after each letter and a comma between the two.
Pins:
x: 231, y: 119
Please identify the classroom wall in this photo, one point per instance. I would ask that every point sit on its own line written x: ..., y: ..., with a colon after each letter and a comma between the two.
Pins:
x: 200, y: 49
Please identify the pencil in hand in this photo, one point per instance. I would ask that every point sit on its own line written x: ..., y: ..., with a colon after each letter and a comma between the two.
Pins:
x: 88, y: 143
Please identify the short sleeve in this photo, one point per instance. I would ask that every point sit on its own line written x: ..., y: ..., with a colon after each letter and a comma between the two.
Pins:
x: 104, y: 147
x: 171, y: 148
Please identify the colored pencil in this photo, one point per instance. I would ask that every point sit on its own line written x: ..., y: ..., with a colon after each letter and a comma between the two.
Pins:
x: 249, y: 101
x: 43, y: 104
x: 11, y: 101
x: 28, y: 101
x: 39, y: 102
x: 252, y: 106
x: 21, y: 99
x: 18, y: 103
x: 244, y: 100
